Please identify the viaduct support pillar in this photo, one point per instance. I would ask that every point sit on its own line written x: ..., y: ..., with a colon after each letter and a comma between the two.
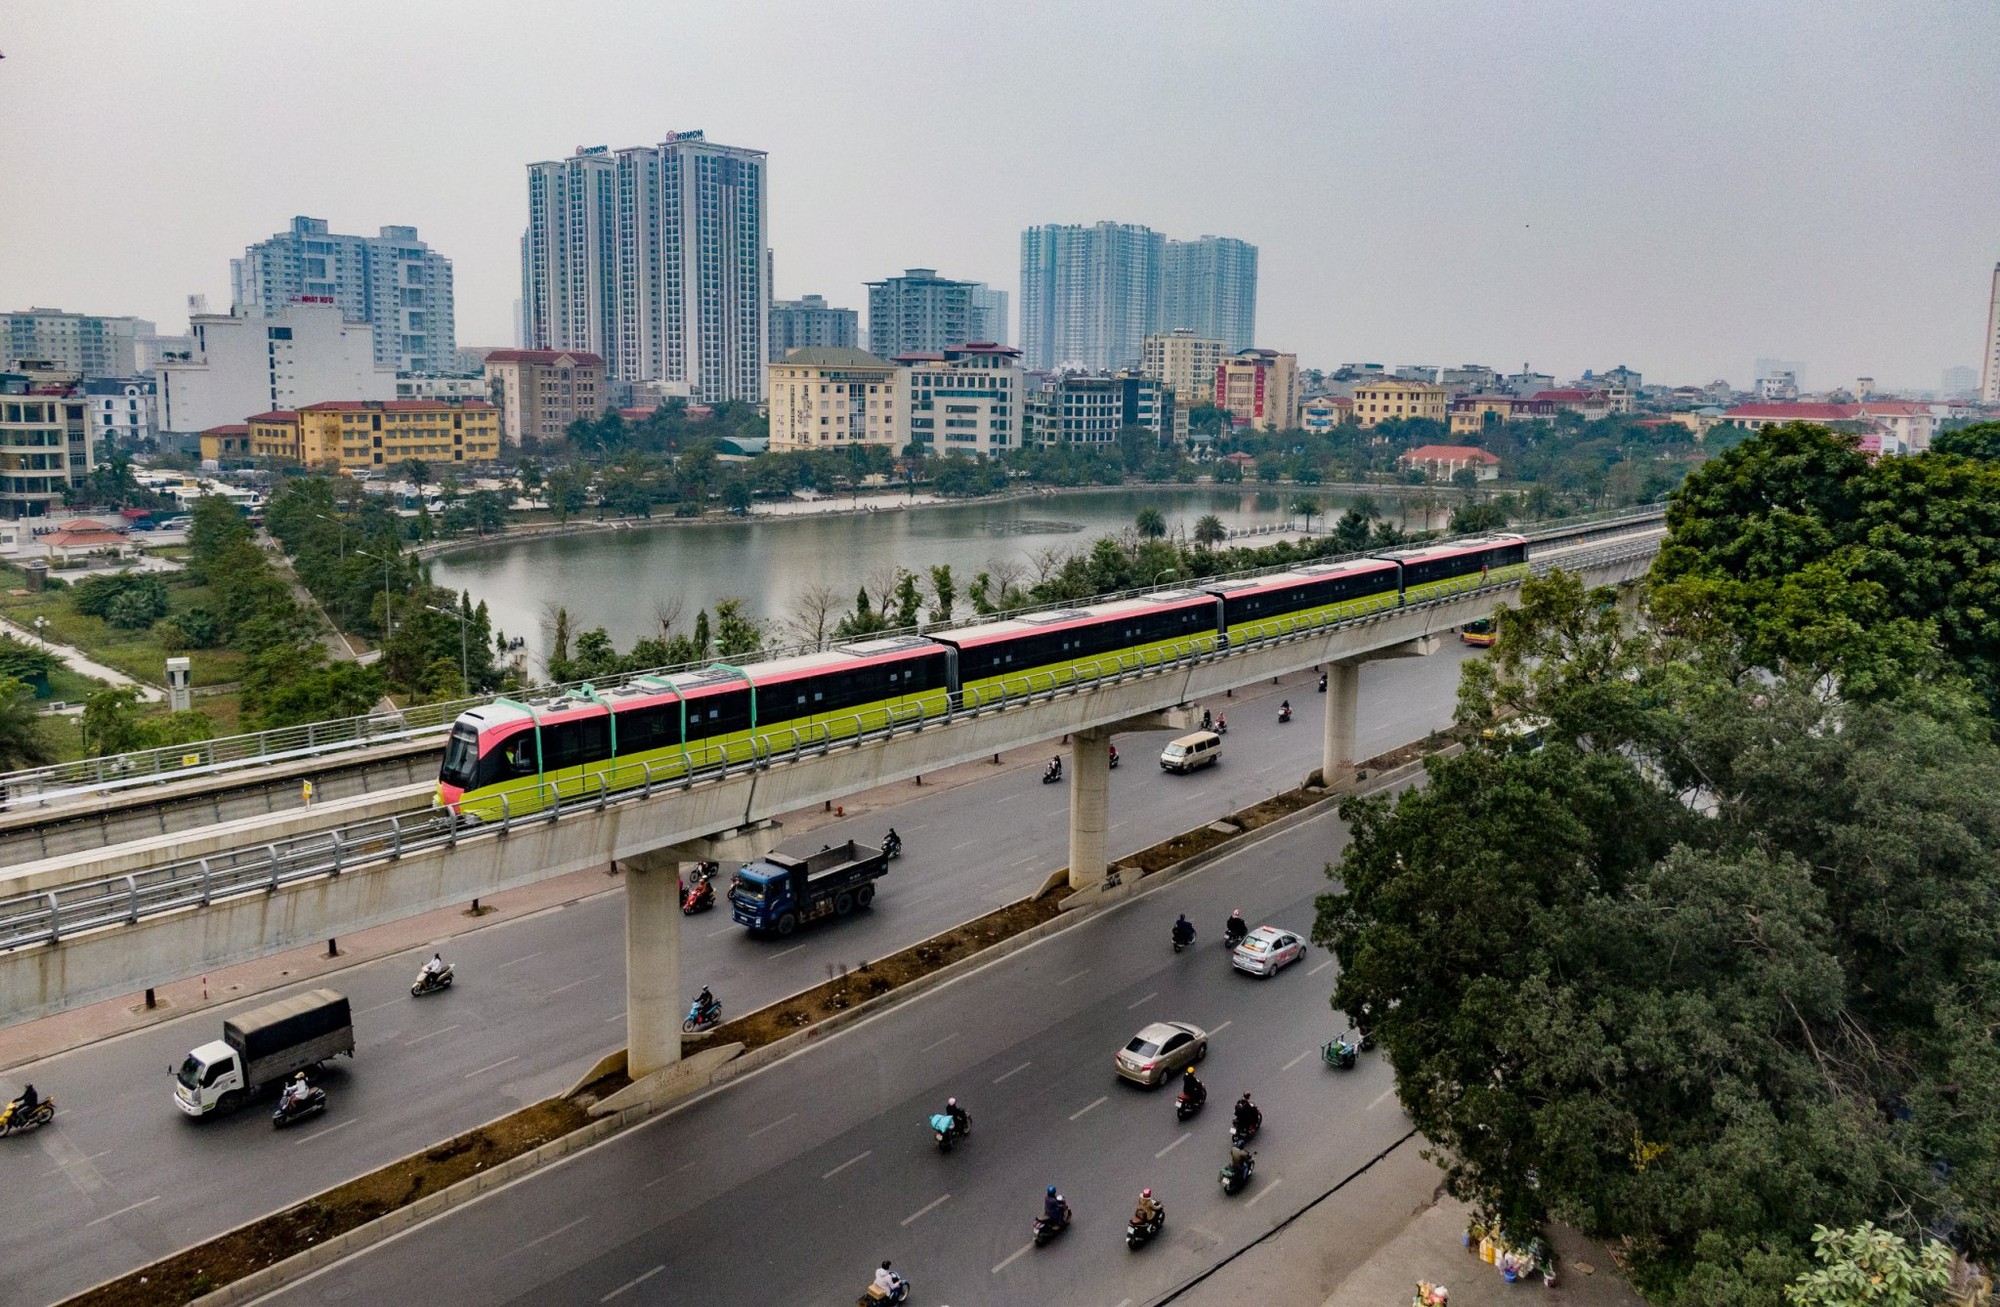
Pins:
x: 1089, y: 805
x: 652, y: 962
x: 1343, y: 698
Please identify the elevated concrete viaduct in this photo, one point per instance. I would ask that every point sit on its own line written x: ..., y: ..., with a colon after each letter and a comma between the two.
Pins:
x: 337, y: 882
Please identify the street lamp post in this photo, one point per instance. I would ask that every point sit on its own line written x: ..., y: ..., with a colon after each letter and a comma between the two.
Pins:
x: 42, y: 630
x: 342, y: 537
x: 464, y: 664
x: 388, y: 615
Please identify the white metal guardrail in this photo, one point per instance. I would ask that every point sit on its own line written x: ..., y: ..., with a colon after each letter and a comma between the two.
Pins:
x: 45, y: 917
x: 43, y: 785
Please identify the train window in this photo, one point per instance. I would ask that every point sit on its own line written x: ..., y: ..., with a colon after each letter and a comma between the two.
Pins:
x: 640, y: 729
x: 572, y: 744
x: 511, y: 759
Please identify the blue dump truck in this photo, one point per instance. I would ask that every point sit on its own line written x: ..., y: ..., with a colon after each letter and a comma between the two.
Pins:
x: 777, y: 893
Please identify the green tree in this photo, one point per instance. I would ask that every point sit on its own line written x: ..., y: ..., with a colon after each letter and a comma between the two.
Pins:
x: 1151, y: 523
x: 111, y: 721
x: 1307, y: 507
x: 21, y: 740
x: 310, y: 689
x: 944, y: 593
x: 909, y: 600
x: 1871, y: 1267
x: 415, y: 471
x: 196, y: 628
x: 736, y: 496
x: 736, y: 633
x: 1209, y: 530
x: 1475, y: 519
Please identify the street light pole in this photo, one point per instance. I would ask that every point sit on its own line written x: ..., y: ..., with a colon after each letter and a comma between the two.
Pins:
x: 388, y: 614
x: 342, y: 537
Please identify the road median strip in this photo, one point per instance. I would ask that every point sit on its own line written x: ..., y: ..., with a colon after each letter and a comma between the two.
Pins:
x: 286, y: 1245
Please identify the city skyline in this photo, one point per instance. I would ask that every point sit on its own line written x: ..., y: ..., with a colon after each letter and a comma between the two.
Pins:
x: 1686, y: 202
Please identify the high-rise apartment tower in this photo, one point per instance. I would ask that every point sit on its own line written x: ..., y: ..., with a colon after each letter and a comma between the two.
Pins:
x: 1989, y: 384
x: 1091, y: 295
x: 392, y: 281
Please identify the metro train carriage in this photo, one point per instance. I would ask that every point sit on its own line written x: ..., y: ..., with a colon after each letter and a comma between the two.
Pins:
x: 1278, y: 604
x: 1038, y: 650
x: 510, y: 758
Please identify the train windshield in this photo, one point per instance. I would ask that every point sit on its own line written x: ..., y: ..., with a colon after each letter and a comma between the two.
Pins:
x: 461, y: 757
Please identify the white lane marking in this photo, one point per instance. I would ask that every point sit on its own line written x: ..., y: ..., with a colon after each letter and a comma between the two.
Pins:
x: 718, y: 934
x: 1321, y: 967
x: 561, y: 1229
x: 927, y: 1208
x: 632, y: 1284
x: 571, y: 985
x: 1124, y: 1302
x: 1224, y: 1026
x: 495, y: 1067
x: 773, y: 1126
x: 615, y: 1016
x: 317, y: 1133
x: 1175, y: 1144
x: 441, y: 1030
x: 1009, y: 799
x: 1149, y: 998
x: 121, y: 1211
x: 1015, y: 1072
x: 1295, y: 1061
x: 1379, y: 1098
x: 362, y: 1012
x: 938, y: 1043
x: 1262, y: 1192
x: 523, y: 958
x: 849, y: 1162
x: 1077, y: 975
x: 1010, y: 1259
x: 1090, y: 1107
x: 968, y: 844
x: 787, y: 953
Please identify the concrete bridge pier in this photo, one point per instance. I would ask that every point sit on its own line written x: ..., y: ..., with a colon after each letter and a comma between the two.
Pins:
x: 1090, y: 789
x: 653, y: 938
x: 1343, y: 696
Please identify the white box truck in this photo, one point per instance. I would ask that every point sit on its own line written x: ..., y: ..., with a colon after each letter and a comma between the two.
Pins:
x: 262, y: 1048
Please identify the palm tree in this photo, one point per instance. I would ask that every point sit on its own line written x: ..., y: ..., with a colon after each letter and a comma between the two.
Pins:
x: 21, y: 742
x: 1151, y: 523
x: 1208, y: 530
x: 1307, y: 507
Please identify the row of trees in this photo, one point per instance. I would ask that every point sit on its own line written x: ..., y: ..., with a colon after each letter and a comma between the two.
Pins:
x: 1717, y: 965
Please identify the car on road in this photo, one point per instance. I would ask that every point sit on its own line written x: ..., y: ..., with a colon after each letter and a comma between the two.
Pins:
x: 1267, y: 949
x: 1161, y: 1050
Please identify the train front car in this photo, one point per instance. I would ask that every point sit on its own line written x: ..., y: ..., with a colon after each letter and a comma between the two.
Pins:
x: 473, y: 757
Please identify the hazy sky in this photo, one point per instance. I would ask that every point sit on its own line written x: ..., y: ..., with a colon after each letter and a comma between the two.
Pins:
x: 1676, y: 186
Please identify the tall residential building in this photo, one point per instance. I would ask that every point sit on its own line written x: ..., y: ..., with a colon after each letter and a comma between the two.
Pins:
x: 654, y: 259
x: 803, y: 323
x: 1185, y: 361
x: 1210, y: 285
x: 1958, y: 382
x: 988, y: 309
x: 1089, y: 295
x: 392, y: 281
x: 967, y: 402
x: 46, y: 446
x: 84, y: 343
x: 1259, y: 388
x: 918, y: 313
x: 241, y: 365
x: 541, y: 391
x: 827, y: 398
x: 1989, y: 383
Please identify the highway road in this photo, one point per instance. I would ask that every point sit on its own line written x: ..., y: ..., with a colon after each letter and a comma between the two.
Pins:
x: 789, y: 1186
x: 122, y: 1177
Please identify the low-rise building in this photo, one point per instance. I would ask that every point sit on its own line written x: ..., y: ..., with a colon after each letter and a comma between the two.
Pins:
x: 826, y: 397
x: 1442, y: 462
x: 1186, y: 362
x: 963, y: 401
x: 1259, y: 389
x: 427, y: 386
x: 1910, y: 424
x: 1470, y: 414
x: 358, y: 434
x: 45, y: 447
x: 810, y: 322
x: 303, y: 354
x: 539, y: 392
x: 226, y: 446
x: 1077, y: 408
x: 122, y: 412
x: 1323, y: 413
x: 88, y: 344
x: 1391, y: 399
x: 1590, y: 405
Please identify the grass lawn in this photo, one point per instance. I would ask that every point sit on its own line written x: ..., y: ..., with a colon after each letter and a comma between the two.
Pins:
x: 139, y: 654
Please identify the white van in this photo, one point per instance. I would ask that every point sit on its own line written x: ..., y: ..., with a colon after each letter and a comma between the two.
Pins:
x: 1191, y: 751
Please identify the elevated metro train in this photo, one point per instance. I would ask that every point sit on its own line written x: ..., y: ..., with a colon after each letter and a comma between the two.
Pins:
x: 512, y: 758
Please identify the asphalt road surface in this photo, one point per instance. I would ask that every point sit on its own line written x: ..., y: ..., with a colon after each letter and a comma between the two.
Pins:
x: 789, y: 1186
x: 122, y: 1177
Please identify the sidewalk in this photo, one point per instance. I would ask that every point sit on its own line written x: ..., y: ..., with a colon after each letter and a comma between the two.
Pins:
x: 76, y: 661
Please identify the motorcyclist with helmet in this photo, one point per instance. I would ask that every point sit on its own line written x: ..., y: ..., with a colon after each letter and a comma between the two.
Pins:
x: 1183, y: 931
x: 1249, y: 1117
x: 1236, y: 928
x: 1148, y: 1210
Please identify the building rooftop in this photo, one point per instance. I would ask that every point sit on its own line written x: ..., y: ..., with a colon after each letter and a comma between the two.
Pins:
x: 832, y: 356
x: 398, y: 406
x: 546, y: 357
x: 1798, y: 411
x: 1451, y: 454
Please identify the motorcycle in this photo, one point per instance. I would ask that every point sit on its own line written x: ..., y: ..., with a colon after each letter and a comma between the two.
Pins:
x: 1139, y: 1233
x: 700, y: 895
x: 1339, y: 1054
x: 702, y: 1018
x: 429, y: 982
x: 1052, y: 773
x: 1114, y: 757
x: 1235, y: 933
x: 892, y: 847
x: 14, y: 1121
x: 1284, y: 714
x: 1045, y: 1229
x: 1183, y: 940
x: 299, y: 1109
x: 1322, y: 682
x: 1222, y: 726
x: 871, y: 1296
x: 1234, y: 1178
x: 1185, y: 1107
x: 1239, y: 1135
x: 949, y: 1131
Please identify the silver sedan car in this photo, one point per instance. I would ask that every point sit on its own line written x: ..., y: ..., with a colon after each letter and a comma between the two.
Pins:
x: 1266, y: 949
x: 1161, y: 1050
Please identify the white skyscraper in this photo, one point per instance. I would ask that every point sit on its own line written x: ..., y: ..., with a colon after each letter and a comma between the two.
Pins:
x: 988, y: 314
x: 653, y: 258
x: 1210, y: 285
x: 1989, y: 383
x: 392, y: 281
x: 1091, y: 295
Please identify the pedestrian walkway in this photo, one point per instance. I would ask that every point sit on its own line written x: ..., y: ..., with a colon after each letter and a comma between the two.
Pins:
x: 77, y: 661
